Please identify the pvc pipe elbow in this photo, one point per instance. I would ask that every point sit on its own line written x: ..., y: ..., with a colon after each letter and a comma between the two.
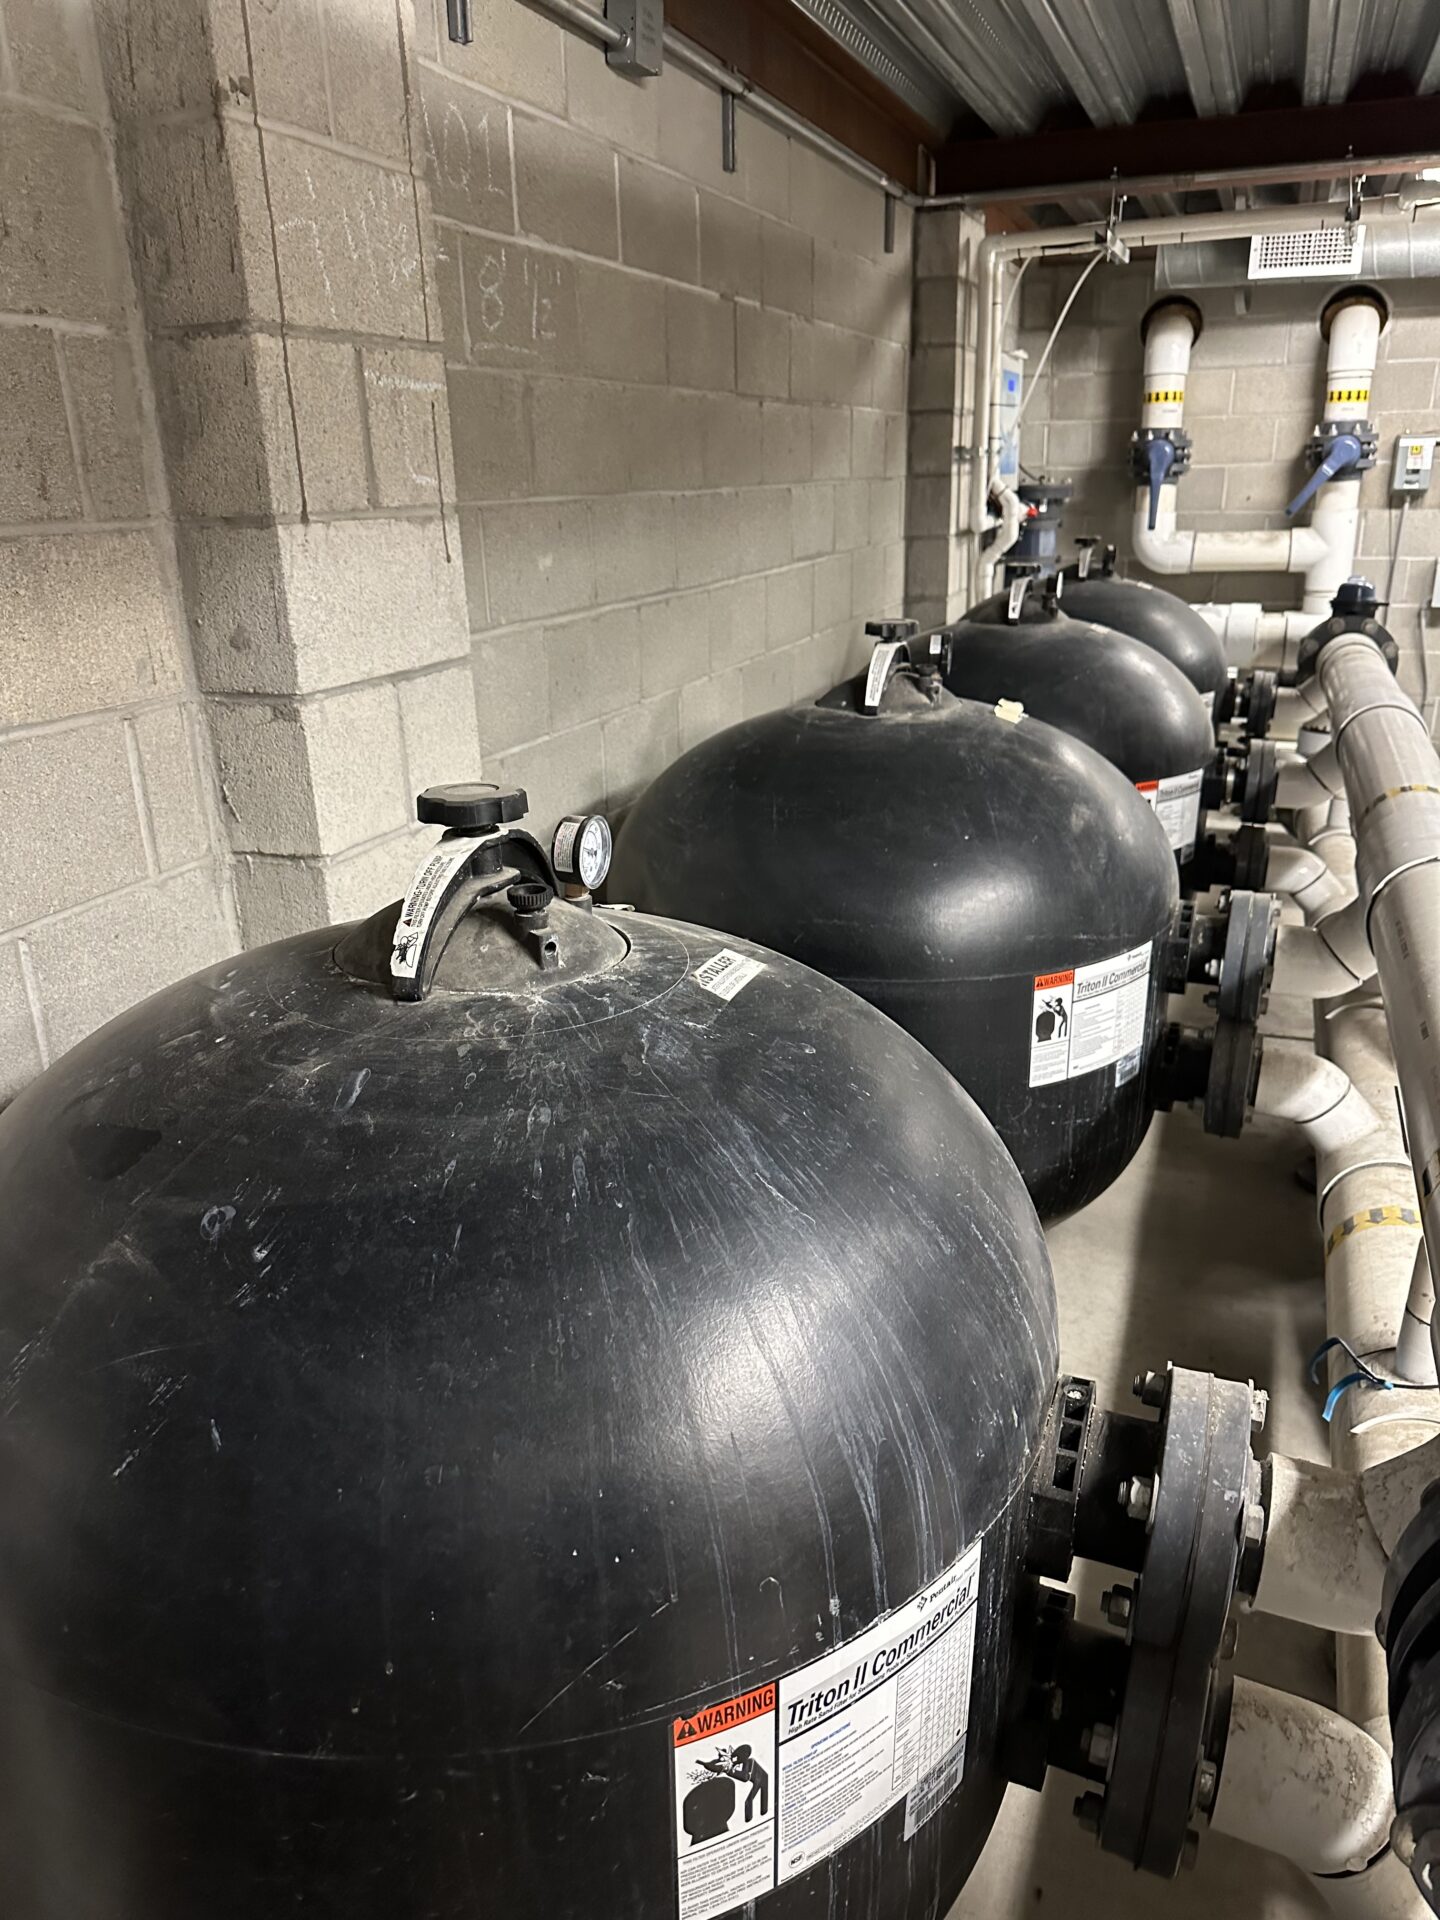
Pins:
x: 1302, y: 874
x: 1318, y: 962
x: 1307, y: 780
x: 1324, y: 1565
x: 1302, y: 1781
x: 1316, y: 1094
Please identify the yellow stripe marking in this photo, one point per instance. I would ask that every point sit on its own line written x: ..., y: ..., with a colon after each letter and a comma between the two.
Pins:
x: 1372, y: 1217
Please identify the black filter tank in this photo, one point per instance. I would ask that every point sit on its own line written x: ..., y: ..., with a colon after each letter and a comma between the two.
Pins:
x: 1119, y: 697
x: 1157, y: 619
x: 991, y: 883
x: 553, y: 1444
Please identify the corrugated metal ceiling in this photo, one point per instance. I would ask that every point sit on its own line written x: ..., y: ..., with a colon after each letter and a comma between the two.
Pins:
x: 1014, y: 64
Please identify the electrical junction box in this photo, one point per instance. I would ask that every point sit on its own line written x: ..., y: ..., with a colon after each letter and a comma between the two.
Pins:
x: 642, y: 52
x: 1414, y: 462
x: 1012, y: 386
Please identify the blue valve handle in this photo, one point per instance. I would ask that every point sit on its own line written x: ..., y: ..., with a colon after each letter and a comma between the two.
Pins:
x: 1345, y: 450
x: 1160, y: 457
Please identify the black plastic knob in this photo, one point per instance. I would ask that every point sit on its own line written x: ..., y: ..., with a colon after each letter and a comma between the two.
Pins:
x: 1355, y: 596
x: 529, y: 896
x: 891, y: 629
x: 470, y: 806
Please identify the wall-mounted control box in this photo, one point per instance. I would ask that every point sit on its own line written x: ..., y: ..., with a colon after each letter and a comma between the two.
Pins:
x: 641, y: 53
x: 1414, y: 462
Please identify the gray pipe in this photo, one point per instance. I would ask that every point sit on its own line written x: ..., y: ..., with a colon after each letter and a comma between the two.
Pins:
x: 1394, y: 250
x: 1392, y: 782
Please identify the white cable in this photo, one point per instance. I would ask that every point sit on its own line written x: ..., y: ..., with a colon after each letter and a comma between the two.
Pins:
x: 1040, y: 365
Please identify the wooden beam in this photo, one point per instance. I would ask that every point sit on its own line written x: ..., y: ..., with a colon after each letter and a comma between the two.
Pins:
x: 783, y: 53
x: 1283, y: 142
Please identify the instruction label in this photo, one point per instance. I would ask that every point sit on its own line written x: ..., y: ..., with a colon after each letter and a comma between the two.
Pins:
x: 425, y: 898
x: 881, y: 661
x: 1085, y: 1018
x: 771, y: 1782
x: 726, y: 972
x: 1175, y: 801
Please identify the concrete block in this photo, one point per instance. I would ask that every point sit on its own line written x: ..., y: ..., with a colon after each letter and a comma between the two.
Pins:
x: 74, y: 829
x: 60, y: 242
x: 101, y: 376
x: 521, y: 307
x: 785, y: 436
x: 438, y: 728
x: 729, y: 247
x: 832, y: 591
x: 621, y: 111
x: 594, y: 666
x: 789, y: 606
x: 762, y: 531
x: 867, y: 443
x: 538, y: 560
x: 637, y: 745
x: 929, y: 508
x: 852, y: 514
x: 409, y: 421
x: 633, y: 539
x: 1072, y: 444
x: 1267, y: 391
x: 467, y: 153
x: 674, y: 642
x: 179, y: 822
x: 202, y: 235
x: 708, y: 705
x: 870, y: 590
x: 310, y: 776
x: 347, y: 241
x: 1406, y: 387
x: 927, y: 572
x: 91, y: 622
x: 300, y: 608
x: 887, y: 505
x: 762, y: 351
x: 690, y: 130
x: 1410, y: 336
x: 367, y: 89
x: 787, y: 268
x: 763, y: 153
x: 699, y: 340
x: 512, y: 52
x: 278, y: 896
x: 622, y: 325
x: 512, y: 689
x: 20, y: 1055
x: 490, y: 427
x: 933, y: 439
x: 890, y: 368
x: 659, y: 224
x: 933, y: 380
x: 565, y: 185
x: 444, y: 258
x: 580, y: 429
x: 834, y: 204
x: 897, y: 445
x: 1253, y: 343
x: 50, y: 54
x: 766, y: 683
x: 708, y: 541
x: 225, y: 419
x: 737, y: 614
x: 325, y: 382
x: 733, y: 444
x: 93, y: 965
x: 38, y: 480
x: 830, y: 431
x: 564, y: 774
x: 812, y: 510
x: 937, y: 245
x: 1034, y: 446
x: 1108, y: 394
x: 937, y: 313
x: 287, y: 67
x: 662, y: 440
x: 162, y: 56
x: 1208, y: 390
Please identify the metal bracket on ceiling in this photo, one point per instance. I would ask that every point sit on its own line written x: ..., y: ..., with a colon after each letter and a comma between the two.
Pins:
x: 1355, y: 194
x: 889, y: 223
x: 1115, y: 249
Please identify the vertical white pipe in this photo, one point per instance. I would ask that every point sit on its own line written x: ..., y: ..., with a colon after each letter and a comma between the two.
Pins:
x: 1168, y: 341
x: 1349, y: 371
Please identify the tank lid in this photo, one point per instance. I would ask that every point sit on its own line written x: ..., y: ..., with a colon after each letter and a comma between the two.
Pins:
x: 483, y: 913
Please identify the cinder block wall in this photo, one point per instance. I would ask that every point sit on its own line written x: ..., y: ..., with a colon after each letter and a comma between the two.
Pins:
x: 112, y: 879
x: 1252, y: 400
x: 677, y: 404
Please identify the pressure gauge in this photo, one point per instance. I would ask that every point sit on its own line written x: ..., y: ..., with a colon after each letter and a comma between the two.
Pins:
x: 582, y: 849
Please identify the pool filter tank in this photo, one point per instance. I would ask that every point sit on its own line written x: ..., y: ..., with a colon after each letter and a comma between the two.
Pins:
x: 1157, y: 619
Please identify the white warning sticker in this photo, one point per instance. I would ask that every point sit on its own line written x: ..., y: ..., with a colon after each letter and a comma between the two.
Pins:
x: 881, y: 661
x: 1085, y: 1018
x: 426, y: 895
x: 1176, y: 803
x: 771, y: 1782
x: 726, y: 972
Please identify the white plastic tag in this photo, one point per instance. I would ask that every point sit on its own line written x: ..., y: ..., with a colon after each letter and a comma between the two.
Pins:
x: 422, y: 902
x: 881, y: 661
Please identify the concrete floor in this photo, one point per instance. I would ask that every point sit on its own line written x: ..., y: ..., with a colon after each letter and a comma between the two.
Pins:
x: 1205, y: 1252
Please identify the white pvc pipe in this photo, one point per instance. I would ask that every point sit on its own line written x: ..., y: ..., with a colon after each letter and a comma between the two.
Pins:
x: 1166, y: 549
x: 1307, y: 879
x: 1329, y: 958
x: 1320, y: 1098
x: 1324, y: 1565
x: 1299, y: 1780
x: 1414, y: 1353
x: 1168, y: 341
x: 1305, y: 781
x: 1350, y: 369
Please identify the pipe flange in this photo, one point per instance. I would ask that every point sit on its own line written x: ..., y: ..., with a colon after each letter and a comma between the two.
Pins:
x: 1409, y: 1630
x: 1167, y: 303
x: 1142, y: 438
x: 1254, y: 700
x: 1235, y: 1053
x: 1328, y: 431
x: 1178, y: 1623
x: 1356, y: 620
x: 1249, y: 956
x: 1256, y: 783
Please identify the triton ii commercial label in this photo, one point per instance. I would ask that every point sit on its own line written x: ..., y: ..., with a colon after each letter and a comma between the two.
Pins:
x: 1086, y: 1018
x: 770, y: 1782
x: 1176, y: 804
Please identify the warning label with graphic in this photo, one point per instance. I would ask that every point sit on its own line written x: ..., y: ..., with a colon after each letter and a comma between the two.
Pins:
x: 771, y: 1782
x: 1176, y: 803
x: 1085, y: 1018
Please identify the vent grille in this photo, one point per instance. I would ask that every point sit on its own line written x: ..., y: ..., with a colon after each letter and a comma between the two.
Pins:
x: 1317, y: 253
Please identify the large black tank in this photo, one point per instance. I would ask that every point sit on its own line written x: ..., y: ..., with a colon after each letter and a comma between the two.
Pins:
x: 1119, y: 697
x: 1155, y: 618
x: 993, y: 885
x: 455, y: 1455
